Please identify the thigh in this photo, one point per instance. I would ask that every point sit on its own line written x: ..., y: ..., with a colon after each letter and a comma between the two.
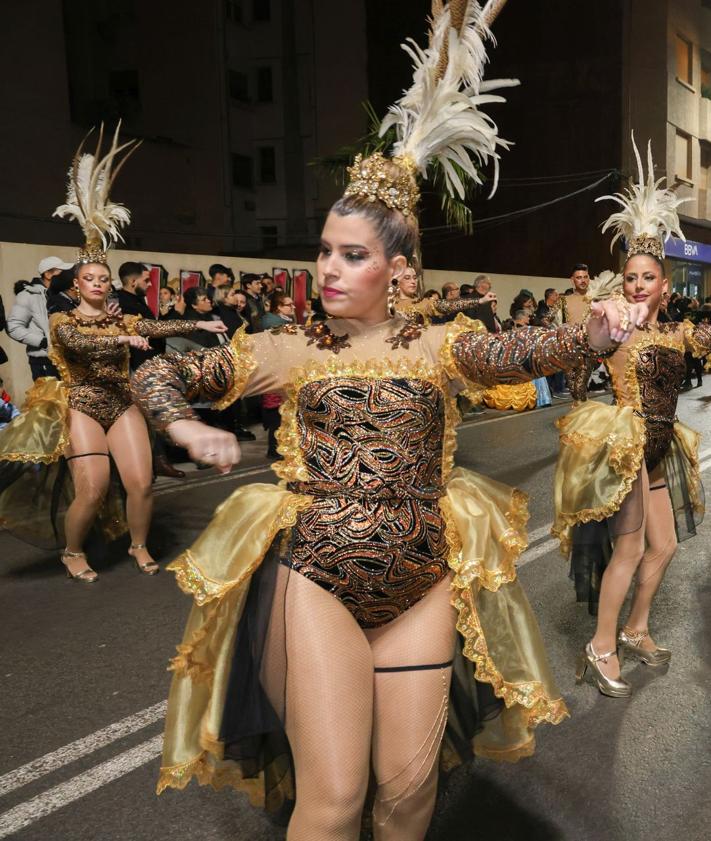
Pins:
x: 130, y: 446
x: 630, y: 524
x: 660, y: 527
x: 87, y: 451
x: 410, y: 704
x: 329, y: 686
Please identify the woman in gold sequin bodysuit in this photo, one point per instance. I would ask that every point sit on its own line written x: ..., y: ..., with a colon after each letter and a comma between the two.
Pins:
x: 325, y: 609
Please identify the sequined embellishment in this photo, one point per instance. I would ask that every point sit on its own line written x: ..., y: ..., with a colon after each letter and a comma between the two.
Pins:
x: 319, y: 333
x: 409, y: 333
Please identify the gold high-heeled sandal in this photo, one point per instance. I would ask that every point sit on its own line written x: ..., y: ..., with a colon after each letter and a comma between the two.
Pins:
x: 631, y: 643
x: 610, y: 686
x: 151, y: 568
x: 85, y: 576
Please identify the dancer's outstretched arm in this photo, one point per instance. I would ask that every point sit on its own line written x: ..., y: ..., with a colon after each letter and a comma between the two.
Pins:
x: 697, y: 338
x: 531, y: 352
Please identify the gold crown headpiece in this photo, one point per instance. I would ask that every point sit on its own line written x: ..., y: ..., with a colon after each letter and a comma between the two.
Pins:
x: 648, y: 214
x: 389, y: 180
x: 91, y: 177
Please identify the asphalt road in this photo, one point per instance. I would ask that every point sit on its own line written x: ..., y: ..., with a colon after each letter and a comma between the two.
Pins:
x: 83, y: 680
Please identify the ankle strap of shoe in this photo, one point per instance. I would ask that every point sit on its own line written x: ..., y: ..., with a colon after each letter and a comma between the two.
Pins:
x: 635, y: 637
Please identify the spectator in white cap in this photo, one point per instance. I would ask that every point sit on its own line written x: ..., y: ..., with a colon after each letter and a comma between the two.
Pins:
x: 28, y: 321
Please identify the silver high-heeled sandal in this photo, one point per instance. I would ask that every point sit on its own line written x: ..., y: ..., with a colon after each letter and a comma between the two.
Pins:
x: 631, y: 643
x: 85, y: 576
x: 150, y: 568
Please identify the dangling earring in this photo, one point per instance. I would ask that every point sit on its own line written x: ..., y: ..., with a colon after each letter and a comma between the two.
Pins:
x: 393, y: 296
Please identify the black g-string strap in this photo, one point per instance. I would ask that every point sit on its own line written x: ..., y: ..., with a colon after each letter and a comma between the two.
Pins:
x: 414, y: 668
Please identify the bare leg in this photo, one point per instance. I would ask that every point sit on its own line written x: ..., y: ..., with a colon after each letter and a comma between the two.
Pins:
x: 410, y: 713
x: 87, y: 456
x: 661, y: 546
x: 626, y: 558
x: 130, y: 447
x: 329, y: 701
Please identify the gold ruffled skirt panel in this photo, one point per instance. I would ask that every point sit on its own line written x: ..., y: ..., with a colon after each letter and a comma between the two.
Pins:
x: 519, y: 397
x: 486, y: 533
x: 40, y: 433
x: 601, y: 454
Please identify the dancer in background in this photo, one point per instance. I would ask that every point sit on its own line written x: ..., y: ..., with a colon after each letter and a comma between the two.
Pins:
x: 323, y: 637
x: 628, y: 473
x: 88, y: 416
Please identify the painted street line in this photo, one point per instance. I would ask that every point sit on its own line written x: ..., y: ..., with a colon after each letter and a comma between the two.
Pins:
x: 44, y: 804
x: 82, y: 747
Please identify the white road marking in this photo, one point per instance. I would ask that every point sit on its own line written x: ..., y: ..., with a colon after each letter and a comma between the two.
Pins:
x: 82, y: 747
x: 61, y: 795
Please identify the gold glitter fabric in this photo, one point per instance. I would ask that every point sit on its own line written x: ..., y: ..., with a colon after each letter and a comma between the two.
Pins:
x: 426, y: 308
x: 374, y: 534
x: 521, y: 355
x: 93, y: 364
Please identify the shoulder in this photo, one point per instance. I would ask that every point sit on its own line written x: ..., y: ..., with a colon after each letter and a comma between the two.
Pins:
x: 58, y: 318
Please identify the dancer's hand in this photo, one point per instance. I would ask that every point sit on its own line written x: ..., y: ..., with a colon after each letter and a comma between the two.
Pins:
x: 613, y: 321
x: 206, y: 444
x: 137, y: 342
x: 212, y: 326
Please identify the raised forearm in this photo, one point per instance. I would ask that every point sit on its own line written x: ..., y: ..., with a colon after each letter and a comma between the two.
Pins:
x: 154, y: 329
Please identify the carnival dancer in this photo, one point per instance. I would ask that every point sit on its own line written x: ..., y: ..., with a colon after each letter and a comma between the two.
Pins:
x: 88, y: 417
x: 410, y: 304
x: 322, y: 638
x: 627, y: 474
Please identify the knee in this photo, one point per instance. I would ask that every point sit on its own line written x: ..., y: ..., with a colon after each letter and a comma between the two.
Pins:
x: 92, y: 494
x: 341, y: 804
x: 140, y: 488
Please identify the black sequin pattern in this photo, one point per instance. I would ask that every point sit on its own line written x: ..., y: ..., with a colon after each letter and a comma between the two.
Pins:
x: 374, y: 536
x: 660, y: 373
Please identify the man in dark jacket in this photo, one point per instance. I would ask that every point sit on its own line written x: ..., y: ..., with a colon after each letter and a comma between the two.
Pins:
x: 482, y: 312
x: 252, y: 288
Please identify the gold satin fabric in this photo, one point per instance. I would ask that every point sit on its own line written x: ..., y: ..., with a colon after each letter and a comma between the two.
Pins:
x: 519, y: 397
x: 485, y: 532
x: 601, y: 454
x: 40, y: 433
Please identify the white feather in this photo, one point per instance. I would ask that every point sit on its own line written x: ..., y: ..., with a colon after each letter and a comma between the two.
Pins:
x: 604, y: 286
x: 89, y: 182
x: 439, y: 117
x: 646, y: 210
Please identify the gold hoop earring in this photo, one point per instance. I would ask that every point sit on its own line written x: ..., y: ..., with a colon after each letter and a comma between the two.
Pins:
x: 393, y: 295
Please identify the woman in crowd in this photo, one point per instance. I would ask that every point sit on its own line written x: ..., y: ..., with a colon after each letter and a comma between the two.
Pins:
x: 322, y: 641
x: 629, y: 472
x: 88, y: 416
x: 229, y: 302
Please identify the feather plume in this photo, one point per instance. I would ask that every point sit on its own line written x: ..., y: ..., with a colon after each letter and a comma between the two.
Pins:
x: 90, y: 179
x: 604, y: 286
x: 647, y: 210
x: 439, y: 118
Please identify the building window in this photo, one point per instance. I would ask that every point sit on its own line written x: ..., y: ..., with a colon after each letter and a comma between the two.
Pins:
x: 262, y: 11
x: 239, y: 85
x: 265, y: 92
x: 267, y: 165
x: 683, y: 162
x: 684, y: 60
x: 270, y: 236
x: 242, y: 171
x: 233, y: 10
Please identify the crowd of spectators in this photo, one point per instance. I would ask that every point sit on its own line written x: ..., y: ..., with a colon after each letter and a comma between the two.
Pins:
x: 254, y: 303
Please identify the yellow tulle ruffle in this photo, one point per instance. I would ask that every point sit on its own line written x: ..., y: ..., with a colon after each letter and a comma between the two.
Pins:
x: 486, y: 533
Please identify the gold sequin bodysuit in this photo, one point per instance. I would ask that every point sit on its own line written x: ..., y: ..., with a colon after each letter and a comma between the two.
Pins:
x: 93, y: 364
x: 647, y: 373
x: 367, y: 435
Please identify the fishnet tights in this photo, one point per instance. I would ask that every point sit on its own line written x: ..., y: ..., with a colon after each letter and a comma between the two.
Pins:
x: 340, y: 714
x: 646, y: 552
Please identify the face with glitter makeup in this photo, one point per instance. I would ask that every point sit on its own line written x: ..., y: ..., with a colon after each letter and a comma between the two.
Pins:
x: 353, y: 273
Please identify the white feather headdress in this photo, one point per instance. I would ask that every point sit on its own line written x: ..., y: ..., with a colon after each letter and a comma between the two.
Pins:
x: 648, y: 216
x: 604, y: 286
x: 90, y: 179
x: 439, y: 118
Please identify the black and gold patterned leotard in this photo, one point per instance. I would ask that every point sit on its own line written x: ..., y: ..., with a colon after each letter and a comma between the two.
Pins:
x: 370, y: 443
x: 93, y: 364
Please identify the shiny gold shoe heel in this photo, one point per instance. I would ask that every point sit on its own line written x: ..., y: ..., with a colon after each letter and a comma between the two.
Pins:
x: 86, y: 576
x: 151, y: 568
x: 612, y: 687
x: 630, y: 642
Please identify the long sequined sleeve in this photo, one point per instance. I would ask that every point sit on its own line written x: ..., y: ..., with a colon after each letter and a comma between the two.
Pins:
x: 152, y: 328
x: 697, y: 338
x: 434, y: 308
x: 164, y: 387
x: 92, y: 345
x: 520, y: 355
